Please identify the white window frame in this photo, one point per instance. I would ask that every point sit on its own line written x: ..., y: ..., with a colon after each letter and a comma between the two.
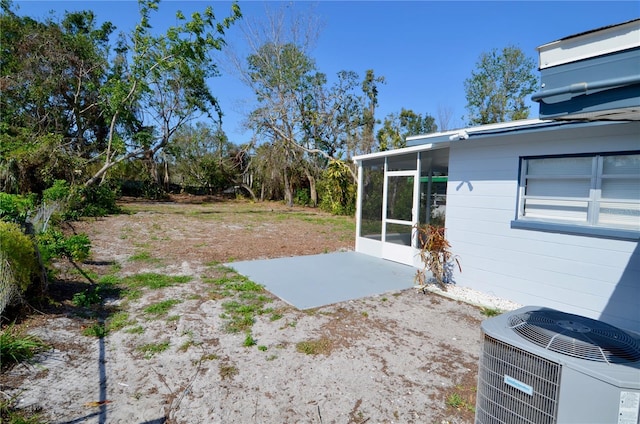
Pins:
x: 591, y: 226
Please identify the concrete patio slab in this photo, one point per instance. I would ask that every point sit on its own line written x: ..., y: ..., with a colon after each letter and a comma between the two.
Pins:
x: 312, y: 281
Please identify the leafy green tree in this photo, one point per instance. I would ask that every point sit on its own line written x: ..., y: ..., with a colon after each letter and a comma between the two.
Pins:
x: 104, y: 103
x: 164, y: 75
x: 369, y: 121
x: 310, y: 123
x: 497, y: 90
x: 396, y: 128
x: 50, y: 76
x: 278, y: 74
x: 202, y: 156
x: 51, y: 73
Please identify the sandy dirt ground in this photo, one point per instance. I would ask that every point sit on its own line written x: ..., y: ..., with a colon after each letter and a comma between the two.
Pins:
x: 401, y: 357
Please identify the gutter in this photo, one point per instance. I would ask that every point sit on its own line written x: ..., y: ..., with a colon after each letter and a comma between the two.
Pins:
x: 583, y: 87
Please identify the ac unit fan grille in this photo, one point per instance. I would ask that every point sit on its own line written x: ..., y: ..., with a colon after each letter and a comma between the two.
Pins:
x: 501, y: 403
x: 576, y: 336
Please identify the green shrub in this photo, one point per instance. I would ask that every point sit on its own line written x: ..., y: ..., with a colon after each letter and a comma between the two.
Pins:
x: 99, y: 200
x: 87, y: 298
x: 53, y: 244
x: 302, y: 197
x: 17, y: 248
x: 16, y: 347
x: 337, y: 191
x: 14, y: 208
x: 59, y: 191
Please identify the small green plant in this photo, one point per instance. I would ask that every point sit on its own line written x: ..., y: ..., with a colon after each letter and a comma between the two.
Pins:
x: 87, y: 298
x: 11, y: 414
x: 135, y: 330
x: 186, y: 345
x: 249, y: 340
x: 151, y: 349
x: 456, y: 401
x: 275, y: 316
x: 436, y: 257
x: 315, y: 347
x: 17, y: 347
x: 209, y: 357
x: 118, y: 321
x: 490, y: 312
x: 97, y: 329
x: 109, y: 280
x: 142, y: 256
x: 262, y: 348
x: 154, y: 281
x: 161, y: 308
x: 228, y: 371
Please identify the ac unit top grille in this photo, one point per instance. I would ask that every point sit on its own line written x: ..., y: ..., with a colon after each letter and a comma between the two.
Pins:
x: 576, y: 336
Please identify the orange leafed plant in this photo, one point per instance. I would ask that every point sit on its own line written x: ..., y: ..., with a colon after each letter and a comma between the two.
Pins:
x: 436, y: 257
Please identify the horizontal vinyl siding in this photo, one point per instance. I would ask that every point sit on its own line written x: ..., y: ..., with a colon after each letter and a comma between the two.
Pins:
x: 590, y: 276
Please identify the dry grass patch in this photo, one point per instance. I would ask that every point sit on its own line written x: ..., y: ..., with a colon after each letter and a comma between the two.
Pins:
x: 321, y: 346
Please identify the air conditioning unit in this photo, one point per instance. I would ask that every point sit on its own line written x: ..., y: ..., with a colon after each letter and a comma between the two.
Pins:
x: 543, y: 366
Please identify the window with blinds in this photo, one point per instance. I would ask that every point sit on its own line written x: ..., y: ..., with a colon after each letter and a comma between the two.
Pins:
x: 597, y: 191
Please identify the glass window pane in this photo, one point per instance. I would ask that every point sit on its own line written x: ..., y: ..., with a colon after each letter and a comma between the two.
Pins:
x: 560, y: 166
x: 621, y: 165
x: 578, y: 187
x: 371, y: 211
x: 399, y: 234
x: 620, y: 215
x: 433, y: 204
x: 621, y: 188
x: 400, y: 198
x: 566, y: 210
x: 407, y: 162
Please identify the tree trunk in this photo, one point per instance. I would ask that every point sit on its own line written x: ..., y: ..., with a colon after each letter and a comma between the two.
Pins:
x: 167, y: 179
x: 288, y: 191
x: 251, y: 193
x: 313, y: 191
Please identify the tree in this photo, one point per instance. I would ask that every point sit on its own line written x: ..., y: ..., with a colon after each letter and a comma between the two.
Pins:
x: 202, y: 156
x: 444, y: 116
x: 397, y: 127
x: 62, y: 82
x: 497, y: 90
x: 50, y: 76
x: 370, y: 90
x: 280, y: 75
x: 164, y: 75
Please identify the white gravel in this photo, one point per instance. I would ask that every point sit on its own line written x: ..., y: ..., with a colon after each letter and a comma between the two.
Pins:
x: 474, y: 297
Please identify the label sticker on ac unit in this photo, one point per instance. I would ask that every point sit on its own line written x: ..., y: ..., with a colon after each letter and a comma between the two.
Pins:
x: 629, y: 407
x: 518, y: 385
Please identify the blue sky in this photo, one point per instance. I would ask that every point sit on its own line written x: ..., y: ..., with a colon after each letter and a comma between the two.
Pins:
x: 424, y: 49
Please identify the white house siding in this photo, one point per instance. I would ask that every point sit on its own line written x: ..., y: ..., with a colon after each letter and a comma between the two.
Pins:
x: 589, y: 276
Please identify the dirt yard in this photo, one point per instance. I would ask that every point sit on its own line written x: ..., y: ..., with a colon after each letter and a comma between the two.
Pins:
x: 186, y: 340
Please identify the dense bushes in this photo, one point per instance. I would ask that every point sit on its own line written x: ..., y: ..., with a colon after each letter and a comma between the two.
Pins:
x: 31, y: 238
x: 14, y: 208
x: 18, y: 251
x: 79, y: 201
x: 336, y: 190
